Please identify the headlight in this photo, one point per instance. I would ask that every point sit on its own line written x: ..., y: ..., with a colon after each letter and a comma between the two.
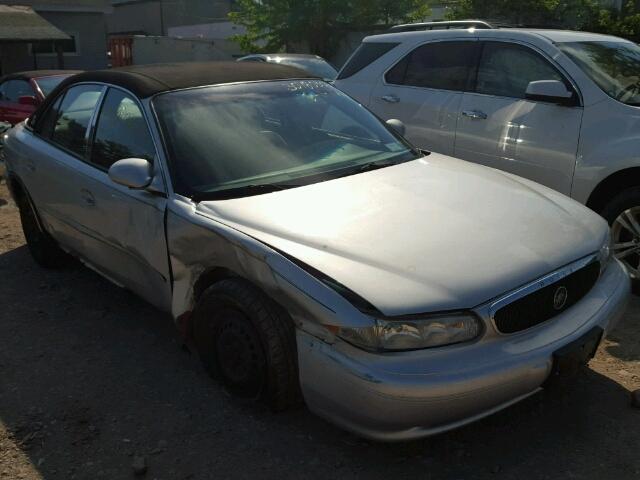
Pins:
x: 606, y: 251
x: 429, y: 332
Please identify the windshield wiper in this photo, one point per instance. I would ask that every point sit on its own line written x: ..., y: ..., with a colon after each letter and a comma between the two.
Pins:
x: 369, y: 167
x: 244, y: 191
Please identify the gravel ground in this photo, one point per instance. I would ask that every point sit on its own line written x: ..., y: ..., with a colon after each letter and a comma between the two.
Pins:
x: 94, y: 384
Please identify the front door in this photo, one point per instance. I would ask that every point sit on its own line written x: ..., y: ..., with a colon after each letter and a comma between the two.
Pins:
x: 128, y: 224
x: 425, y: 90
x: 117, y: 231
x: 499, y: 128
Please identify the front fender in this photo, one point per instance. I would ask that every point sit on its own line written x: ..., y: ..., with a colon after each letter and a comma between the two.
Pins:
x: 198, y: 243
x: 609, y: 143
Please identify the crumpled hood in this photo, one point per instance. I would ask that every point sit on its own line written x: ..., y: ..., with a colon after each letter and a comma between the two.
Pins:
x: 429, y: 235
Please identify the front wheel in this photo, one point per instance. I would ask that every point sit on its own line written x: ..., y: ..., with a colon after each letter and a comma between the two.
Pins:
x: 623, y: 215
x: 247, y: 341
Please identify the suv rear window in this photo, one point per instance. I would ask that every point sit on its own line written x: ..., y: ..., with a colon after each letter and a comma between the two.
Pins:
x: 366, y: 54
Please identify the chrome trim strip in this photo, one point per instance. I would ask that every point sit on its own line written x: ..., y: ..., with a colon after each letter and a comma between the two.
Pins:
x: 538, y: 285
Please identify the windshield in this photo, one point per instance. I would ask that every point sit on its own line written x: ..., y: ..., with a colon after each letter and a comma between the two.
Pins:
x: 613, y: 66
x: 225, y: 141
x: 47, y: 84
x: 315, y: 66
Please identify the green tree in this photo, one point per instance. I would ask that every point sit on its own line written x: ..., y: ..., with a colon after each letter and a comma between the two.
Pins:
x: 575, y: 14
x: 624, y: 23
x: 320, y: 25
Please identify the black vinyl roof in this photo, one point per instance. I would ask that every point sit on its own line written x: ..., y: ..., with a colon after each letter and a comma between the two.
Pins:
x: 146, y: 80
x: 28, y: 75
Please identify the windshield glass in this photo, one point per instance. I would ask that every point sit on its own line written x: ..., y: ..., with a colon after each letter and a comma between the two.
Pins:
x: 613, y: 66
x: 314, y: 66
x: 224, y: 141
x: 47, y: 84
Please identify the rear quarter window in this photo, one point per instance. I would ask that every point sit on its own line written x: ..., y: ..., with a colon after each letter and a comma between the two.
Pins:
x: 366, y: 54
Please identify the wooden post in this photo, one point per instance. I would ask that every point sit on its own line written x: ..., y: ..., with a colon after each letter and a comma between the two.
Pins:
x: 33, y: 54
x: 60, y: 54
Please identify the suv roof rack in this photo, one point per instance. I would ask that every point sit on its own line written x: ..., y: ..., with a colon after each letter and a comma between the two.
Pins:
x: 414, y: 27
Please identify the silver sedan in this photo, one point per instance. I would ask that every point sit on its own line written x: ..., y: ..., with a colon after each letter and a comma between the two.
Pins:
x: 307, y: 252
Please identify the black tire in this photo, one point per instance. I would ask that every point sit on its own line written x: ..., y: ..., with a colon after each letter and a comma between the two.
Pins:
x: 247, y: 342
x: 43, y: 248
x: 625, y: 200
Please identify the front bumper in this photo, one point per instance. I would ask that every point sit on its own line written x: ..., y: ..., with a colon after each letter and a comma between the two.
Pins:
x: 407, y: 395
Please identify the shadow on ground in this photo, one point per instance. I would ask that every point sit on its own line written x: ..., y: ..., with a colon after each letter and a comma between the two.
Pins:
x: 91, y: 376
x: 625, y: 340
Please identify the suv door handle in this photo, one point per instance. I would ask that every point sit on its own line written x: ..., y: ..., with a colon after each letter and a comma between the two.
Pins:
x: 87, y: 197
x: 390, y: 98
x: 475, y: 114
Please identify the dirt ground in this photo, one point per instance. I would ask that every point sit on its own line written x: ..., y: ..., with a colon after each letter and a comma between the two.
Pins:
x: 93, y: 380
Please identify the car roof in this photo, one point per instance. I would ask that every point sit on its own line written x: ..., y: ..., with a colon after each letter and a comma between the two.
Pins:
x: 28, y: 75
x: 554, y: 36
x: 283, y: 55
x: 562, y: 36
x: 147, y: 80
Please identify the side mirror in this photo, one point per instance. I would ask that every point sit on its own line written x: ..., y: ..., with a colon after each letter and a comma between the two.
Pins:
x: 28, y: 100
x: 553, y: 91
x: 397, y: 125
x: 132, y: 173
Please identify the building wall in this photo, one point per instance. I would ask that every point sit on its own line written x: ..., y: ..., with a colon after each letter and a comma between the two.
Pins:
x: 147, y: 49
x: 156, y: 17
x: 90, y: 31
x: 140, y: 18
x: 84, y: 19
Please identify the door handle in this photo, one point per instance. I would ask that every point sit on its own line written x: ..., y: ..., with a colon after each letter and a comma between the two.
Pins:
x: 87, y: 197
x: 390, y: 98
x: 475, y: 114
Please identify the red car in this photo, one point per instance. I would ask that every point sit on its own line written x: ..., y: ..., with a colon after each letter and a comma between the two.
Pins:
x: 21, y: 93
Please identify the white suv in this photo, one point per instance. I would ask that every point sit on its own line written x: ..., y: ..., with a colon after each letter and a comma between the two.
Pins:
x: 557, y: 107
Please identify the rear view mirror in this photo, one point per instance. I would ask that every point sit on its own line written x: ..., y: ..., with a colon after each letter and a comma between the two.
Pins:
x: 553, y: 91
x: 397, y: 125
x: 131, y: 172
x: 28, y: 100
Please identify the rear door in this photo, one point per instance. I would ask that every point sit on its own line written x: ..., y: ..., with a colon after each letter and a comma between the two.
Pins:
x: 499, y: 128
x: 424, y: 90
x: 55, y: 162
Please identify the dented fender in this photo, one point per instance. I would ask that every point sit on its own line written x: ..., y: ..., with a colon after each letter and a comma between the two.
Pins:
x: 199, y: 244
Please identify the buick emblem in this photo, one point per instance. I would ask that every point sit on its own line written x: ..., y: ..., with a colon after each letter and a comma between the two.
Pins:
x: 560, y: 298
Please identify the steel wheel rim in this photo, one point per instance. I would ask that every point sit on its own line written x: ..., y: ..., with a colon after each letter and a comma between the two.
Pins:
x: 239, y: 352
x: 625, y: 235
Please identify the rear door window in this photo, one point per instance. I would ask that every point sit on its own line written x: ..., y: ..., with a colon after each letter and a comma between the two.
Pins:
x: 506, y: 69
x: 14, y: 89
x: 121, y: 131
x: 438, y: 65
x: 45, y: 126
x: 366, y: 54
x: 74, y: 116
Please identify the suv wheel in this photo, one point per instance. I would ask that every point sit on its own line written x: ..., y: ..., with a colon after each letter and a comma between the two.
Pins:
x: 623, y: 215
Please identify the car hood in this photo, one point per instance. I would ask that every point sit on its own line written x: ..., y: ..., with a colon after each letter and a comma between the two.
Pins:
x: 433, y: 234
